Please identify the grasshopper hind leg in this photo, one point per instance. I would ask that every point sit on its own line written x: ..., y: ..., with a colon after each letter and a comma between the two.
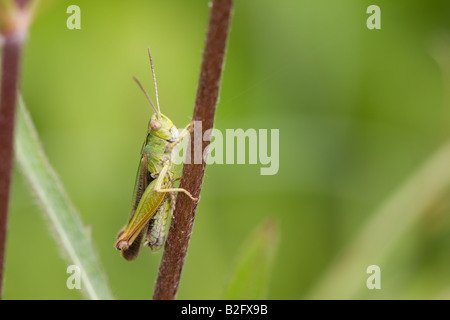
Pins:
x: 173, y: 198
x: 132, y: 251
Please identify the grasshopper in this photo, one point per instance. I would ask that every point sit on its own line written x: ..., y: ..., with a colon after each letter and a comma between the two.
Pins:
x: 154, y: 194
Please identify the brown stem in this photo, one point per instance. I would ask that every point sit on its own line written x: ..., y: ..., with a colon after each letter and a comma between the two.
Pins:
x: 192, y: 177
x: 22, y: 3
x: 10, y: 69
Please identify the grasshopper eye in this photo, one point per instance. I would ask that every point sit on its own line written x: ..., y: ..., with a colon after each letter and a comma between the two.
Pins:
x: 155, y: 125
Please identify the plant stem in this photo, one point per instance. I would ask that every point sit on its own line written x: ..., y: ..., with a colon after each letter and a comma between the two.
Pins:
x: 22, y: 3
x: 10, y: 69
x: 192, y: 177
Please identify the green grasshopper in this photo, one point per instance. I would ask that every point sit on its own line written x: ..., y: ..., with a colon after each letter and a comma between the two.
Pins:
x: 154, y: 194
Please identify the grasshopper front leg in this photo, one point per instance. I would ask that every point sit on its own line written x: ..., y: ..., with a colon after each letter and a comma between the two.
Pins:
x: 184, y: 133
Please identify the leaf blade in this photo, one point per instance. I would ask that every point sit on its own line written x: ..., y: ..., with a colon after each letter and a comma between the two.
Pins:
x: 253, y: 265
x: 71, y: 235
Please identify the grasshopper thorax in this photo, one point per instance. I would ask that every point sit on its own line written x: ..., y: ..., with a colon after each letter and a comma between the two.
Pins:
x: 162, y: 127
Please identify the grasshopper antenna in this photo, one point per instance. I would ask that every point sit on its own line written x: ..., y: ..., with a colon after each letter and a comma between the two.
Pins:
x: 146, y: 95
x: 154, y: 82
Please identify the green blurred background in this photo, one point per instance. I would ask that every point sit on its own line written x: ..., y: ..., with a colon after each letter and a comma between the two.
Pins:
x: 358, y: 111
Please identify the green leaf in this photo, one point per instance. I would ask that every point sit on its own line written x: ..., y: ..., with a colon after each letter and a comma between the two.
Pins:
x: 346, y: 277
x: 64, y: 222
x: 253, y: 267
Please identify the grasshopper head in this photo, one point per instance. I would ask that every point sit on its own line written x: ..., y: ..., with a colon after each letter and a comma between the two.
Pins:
x: 162, y: 127
x: 159, y: 125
